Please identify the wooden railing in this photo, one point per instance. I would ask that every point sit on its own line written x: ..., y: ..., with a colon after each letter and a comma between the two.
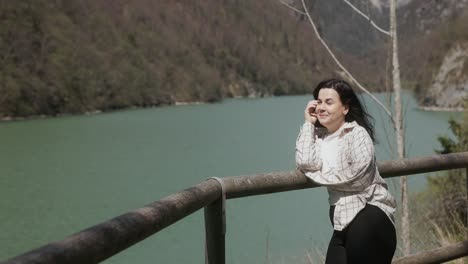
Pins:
x: 438, y: 255
x: 108, y: 238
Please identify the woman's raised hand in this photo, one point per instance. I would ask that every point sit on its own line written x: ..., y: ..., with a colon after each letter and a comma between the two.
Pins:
x: 309, y: 113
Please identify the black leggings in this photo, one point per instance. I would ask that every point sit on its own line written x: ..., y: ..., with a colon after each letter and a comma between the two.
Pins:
x: 369, y: 238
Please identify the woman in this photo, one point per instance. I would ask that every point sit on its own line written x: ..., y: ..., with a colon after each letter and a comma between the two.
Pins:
x: 335, y: 148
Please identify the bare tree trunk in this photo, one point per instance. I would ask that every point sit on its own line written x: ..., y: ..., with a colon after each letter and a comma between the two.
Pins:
x: 398, y: 119
x: 399, y: 128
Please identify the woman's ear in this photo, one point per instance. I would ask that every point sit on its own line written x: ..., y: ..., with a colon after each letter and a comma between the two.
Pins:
x: 346, y: 110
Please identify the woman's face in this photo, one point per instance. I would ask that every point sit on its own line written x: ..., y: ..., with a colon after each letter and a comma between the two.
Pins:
x: 330, y: 111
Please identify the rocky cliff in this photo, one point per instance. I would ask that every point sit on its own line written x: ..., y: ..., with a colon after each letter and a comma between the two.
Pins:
x: 435, y: 52
x: 449, y: 86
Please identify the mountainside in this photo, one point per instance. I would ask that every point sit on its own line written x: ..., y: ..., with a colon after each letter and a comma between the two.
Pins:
x: 433, y: 44
x: 425, y: 16
x: 435, y: 52
x: 90, y: 55
x: 80, y: 56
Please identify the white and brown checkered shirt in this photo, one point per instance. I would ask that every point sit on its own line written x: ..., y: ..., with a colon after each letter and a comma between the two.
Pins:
x: 354, y: 181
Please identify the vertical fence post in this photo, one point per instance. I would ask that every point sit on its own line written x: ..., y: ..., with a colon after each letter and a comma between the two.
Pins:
x: 215, y: 228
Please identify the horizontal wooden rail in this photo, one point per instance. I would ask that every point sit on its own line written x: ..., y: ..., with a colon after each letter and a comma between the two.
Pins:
x: 106, y: 239
x: 242, y: 186
x: 394, y: 168
x: 438, y: 255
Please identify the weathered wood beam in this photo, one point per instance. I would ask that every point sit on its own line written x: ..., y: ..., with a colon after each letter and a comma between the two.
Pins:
x: 438, y: 255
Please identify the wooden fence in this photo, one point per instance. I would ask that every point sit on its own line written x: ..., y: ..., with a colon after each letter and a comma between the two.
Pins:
x: 108, y: 238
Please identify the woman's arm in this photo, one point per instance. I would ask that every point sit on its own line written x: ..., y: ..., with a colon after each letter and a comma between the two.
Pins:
x: 307, y: 153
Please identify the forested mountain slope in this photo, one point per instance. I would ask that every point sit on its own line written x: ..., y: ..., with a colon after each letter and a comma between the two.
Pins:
x: 96, y: 55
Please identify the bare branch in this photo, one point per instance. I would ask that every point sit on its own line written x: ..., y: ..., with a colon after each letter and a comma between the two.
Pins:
x: 367, y: 18
x: 292, y: 7
x: 340, y: 65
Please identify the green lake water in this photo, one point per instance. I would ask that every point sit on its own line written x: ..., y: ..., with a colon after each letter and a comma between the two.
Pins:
x: 61, y: 175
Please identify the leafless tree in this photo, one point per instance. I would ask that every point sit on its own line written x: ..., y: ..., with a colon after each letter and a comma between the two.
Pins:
x: 397, y: 116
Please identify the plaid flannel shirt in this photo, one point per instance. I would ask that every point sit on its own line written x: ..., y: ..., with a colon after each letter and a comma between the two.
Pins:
x: 355, y: 181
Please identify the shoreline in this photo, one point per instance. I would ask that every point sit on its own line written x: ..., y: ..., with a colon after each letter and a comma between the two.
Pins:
x: 187, y: 103
x: 90, y: 113
x: 178, y: 103
x: 441, y: 109
x: 43, y: 116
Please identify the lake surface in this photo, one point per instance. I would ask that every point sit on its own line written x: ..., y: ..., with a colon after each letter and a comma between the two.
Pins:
x: 59, y: 176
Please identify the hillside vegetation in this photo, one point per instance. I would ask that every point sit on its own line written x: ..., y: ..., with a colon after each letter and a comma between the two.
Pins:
x: 78, y: 56
x: 97, y: 55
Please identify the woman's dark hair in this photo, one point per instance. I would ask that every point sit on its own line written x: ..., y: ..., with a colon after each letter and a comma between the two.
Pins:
x: 348, y: 97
